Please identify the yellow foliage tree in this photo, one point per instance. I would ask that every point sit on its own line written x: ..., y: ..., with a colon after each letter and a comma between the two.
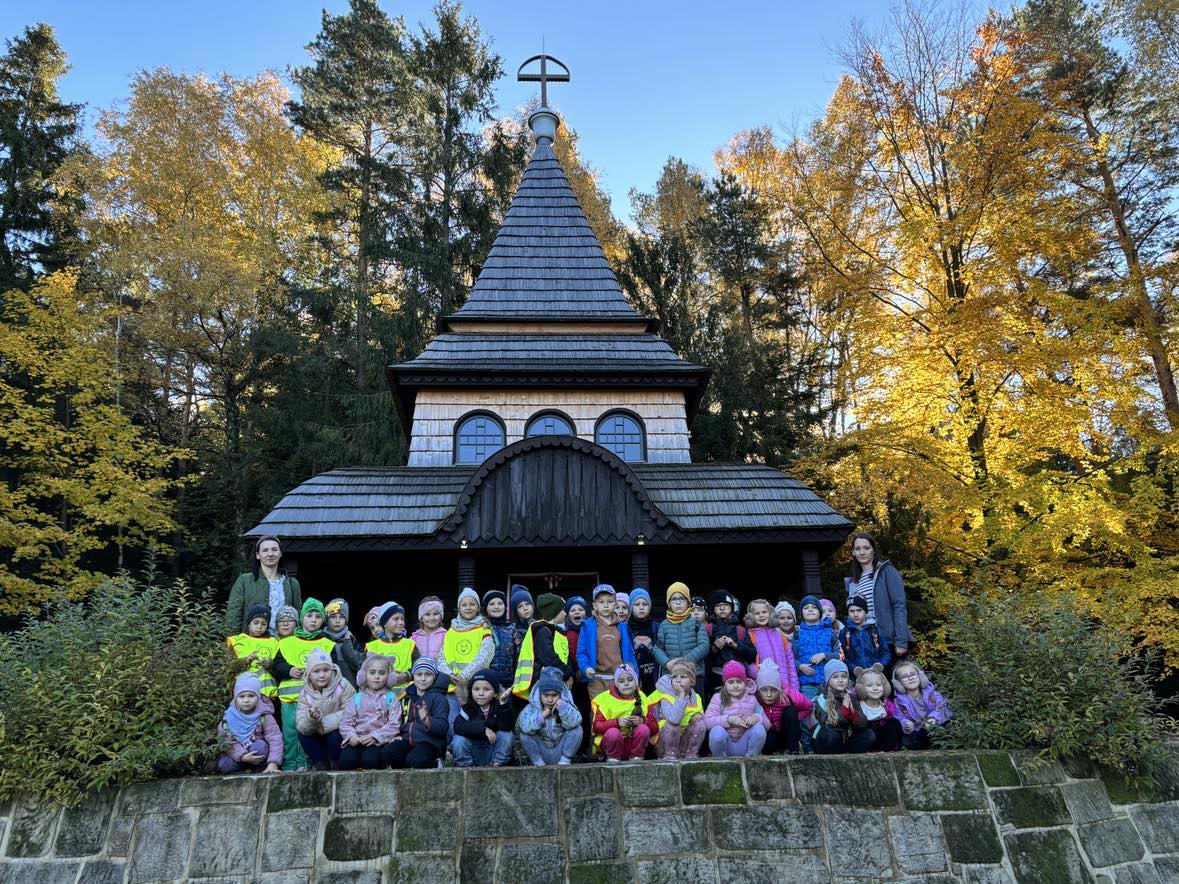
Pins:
x: 81, y: 478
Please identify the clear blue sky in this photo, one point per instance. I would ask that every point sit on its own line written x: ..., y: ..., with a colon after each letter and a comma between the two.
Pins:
x: 651, y: 78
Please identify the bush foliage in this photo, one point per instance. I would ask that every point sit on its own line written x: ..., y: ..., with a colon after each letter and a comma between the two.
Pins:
x: 124, y: 687
x: 1029, y: 672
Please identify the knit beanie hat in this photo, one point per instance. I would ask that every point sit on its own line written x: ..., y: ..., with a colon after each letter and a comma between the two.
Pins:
x: 247, y: 681
x: 722, y: 597
x: 831, y: 667
x: 782, y: 607
x: 574, y: 602
x: 768, y: 676
x: 626, y: 667
x: 681, y: 664
x: 286, y: 612
x: 374, y: 614
x: 488, y: 675
x: 550, y: 680
x: 309, y: 606
x: 810, y: 600
x: 424, y: 663
x: 640, y: 593
x: 698, y: 601
x: 429, y: 605
x: 520, y: 594
x: 678, y: 588
x: 337, y: 606
x: 623, y: 597
x: 315, y: 658
x: 603, y: 589
x: 734, y: 669
x: 492, y: 594
x: 256, y: 611
x: 826, y: 603
x: 467, y: 593
x: 549, y: 605
x: 386, y: 611
x: 857, y: 601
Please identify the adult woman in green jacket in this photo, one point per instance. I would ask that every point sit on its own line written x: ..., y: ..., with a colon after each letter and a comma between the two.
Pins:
x: 267, y: 584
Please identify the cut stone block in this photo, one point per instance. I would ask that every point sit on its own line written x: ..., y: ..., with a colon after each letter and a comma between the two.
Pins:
x: 806, y: 868
x: 656, y: 832
x: 1037, y: 770
x: 1139, y: 873
x: 38, y: 873
x: 1159, y: 826
x: 430, y: 786
x: 599, y: 873
x: 998, y: 769
x: 1030, y: 807
x: 531, y: 864
x: 144, y: 798
x: 420, y: 869
x: 350, y: 838
x: 580, y: 780
x: 102, y: 871
x: 30, y: 827
x: 159, y: 849
x: 292, y: 840
x: 299, y: 790
x: 226, y: 841
x: 858, y: 782
x: 917, y: 843
x: 203, y: 791
x: 358, y: 876
x: 1044, y: 857
x: 1087, y: 801
x: 508, y: 800
x: 118, y: 841
x: 940, y: 782
x: 768, y: 778
x: 591, y: 828
x: 971, y: 838
x: 369, y: 791
x: 712, y: 782
x: 82, y: 829
x: 650, y: 785
x: 679, y: 870
x: 428, y: 827
x: 1108, y: 842
x: 849, y: 852
x: 784, y: 827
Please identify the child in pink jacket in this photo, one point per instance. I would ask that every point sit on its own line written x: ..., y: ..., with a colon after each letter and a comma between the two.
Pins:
x: 737, y: 725
x: 372, y: 721
x: 252, y: 740
x: 770, y: 642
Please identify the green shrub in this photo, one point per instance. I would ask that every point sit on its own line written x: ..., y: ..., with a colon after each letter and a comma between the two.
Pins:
x: 126, y: 686
x: 1030, y: 673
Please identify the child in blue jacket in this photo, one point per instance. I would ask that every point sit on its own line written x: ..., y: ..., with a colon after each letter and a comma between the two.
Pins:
x: 860, y: 644
x: 814, y: 647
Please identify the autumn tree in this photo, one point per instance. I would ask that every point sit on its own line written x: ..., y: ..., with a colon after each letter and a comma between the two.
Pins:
x: 37, y: 135
x: 85, y: 483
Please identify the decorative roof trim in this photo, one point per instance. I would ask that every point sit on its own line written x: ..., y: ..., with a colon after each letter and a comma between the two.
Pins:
x: 534, y: 443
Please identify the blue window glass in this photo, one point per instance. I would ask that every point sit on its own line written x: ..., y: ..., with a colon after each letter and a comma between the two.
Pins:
x: 623, y: 435
x: 549, y: 425
x: 477, y: 438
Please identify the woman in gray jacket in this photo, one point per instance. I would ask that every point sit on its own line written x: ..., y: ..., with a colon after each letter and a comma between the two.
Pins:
x: 880, y: 584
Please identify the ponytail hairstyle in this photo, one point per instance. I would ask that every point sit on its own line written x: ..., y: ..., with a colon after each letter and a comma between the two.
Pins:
x: 257, y: 562
x: 857, y: 569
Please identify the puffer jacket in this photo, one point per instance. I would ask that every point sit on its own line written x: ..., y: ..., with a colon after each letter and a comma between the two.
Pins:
x: 503, y: 661
x: 330, y: 702
x: 437, y: 707
x: 688, y: 639
x: 266, y: 730
x: 816, y: 638
x: 717, y: 714
x: 549, y: 730
x: 862, y: 646
x: 372, y: 713
x: 771, y: 644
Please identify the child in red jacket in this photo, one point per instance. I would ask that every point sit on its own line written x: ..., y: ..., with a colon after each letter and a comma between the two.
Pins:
x: 787, y: 710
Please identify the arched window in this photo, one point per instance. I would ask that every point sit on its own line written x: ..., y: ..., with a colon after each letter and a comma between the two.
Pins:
x: 476, y: 437
x: 622, y: 433
x: 550, y: 423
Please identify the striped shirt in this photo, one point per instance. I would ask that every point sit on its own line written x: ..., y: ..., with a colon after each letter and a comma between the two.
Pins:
x: 865, y: 587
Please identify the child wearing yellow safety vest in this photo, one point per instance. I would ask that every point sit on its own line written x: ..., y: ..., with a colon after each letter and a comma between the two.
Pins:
x: 624, y: 722
x: 679, y: 711
x: 392, y: 642
x: 255, y: 649
x: 466, y: 648
x: 289, y: 668
x: 544, y: 646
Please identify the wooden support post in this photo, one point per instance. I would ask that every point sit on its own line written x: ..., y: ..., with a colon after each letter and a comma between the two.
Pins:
x: 811, y: 584
x: 639, y: 575
x: 466, y: 571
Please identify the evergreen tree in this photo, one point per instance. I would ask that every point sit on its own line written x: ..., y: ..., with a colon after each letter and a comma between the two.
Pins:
x: 36, y: 137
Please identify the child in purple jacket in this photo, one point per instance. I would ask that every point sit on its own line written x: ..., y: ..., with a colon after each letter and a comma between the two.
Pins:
x: 372, y: 721
x: 919, y: 705
x: 253, y: 742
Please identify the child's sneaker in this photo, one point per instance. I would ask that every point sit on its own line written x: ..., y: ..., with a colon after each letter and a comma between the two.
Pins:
x: 563, y: 760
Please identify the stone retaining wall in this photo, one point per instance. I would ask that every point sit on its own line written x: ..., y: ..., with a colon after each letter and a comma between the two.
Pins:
x: 934, y: 817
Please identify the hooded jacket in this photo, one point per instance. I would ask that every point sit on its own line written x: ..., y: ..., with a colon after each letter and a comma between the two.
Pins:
x: 930, y: 705
x: 801, y: 704
x: 862, y: 646
x: 587, y: 646
x: 814, y: 638
x: 437, y: 709
x: 471, y: 722
x: 717, y: 714
x: 672, y: 710
x: 267, y: 730
x: 371, y: 713
x: 889, y: 605
x: 549, y: 730
x: 330, y: 702
x: 688, y: 639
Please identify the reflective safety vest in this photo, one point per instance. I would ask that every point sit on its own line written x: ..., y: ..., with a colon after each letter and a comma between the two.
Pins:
x: 245, y: 644
x: 294, y: 651
x: 694, y: 709
x: 400, y: 652
x: 524, y: 668
x: 616, y: 707
x: 461, y: 646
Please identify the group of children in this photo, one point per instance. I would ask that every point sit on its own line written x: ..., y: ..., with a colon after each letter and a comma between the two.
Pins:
x: 554, y: 679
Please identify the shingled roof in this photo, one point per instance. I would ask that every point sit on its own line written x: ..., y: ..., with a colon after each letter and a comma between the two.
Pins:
x: 546, y: 262
x: 409, y: 502
x: 545, y: 353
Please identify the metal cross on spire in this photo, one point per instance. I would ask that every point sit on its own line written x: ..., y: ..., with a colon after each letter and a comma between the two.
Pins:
x: 544, y: 77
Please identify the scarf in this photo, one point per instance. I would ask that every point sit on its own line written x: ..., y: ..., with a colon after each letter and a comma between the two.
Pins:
x: 306, y: 635
x: 239, y: 724
x: 463, y: 625
x: 310, y: 605
x: 335, y: 636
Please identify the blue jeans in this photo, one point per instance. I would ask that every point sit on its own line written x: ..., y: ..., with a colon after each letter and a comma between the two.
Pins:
x: 468, y: 753
x: 539, y: 753
x: 322, y: 750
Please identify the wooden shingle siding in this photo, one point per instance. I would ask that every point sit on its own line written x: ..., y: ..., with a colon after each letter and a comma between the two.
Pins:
x: 437, y: 412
